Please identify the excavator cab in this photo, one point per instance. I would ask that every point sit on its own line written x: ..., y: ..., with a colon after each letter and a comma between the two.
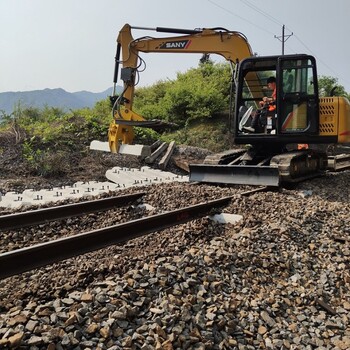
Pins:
x: 295, y: 117
x: 272, y: 156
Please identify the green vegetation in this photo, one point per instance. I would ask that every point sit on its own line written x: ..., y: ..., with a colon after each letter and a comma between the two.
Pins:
x: 326, y: 84
x: 198, y: 94
x: 197, y: 101
x: 51, y: 138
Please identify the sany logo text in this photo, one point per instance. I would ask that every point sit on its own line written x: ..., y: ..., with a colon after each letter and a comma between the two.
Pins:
x: 180, y: 44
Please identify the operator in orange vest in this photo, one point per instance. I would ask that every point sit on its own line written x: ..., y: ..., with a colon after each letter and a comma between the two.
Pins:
x: 271, y: 84
x: 266, y: 104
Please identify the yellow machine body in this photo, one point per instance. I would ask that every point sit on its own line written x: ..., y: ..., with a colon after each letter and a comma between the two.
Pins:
x: 335, y: 118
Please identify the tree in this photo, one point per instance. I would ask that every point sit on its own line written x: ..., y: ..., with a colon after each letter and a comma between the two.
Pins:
x: 326, y: 84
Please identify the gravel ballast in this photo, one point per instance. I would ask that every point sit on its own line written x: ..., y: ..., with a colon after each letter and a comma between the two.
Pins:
x: 278, y: 279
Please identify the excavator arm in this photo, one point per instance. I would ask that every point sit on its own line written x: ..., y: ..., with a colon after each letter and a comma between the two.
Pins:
x: 231, y: 45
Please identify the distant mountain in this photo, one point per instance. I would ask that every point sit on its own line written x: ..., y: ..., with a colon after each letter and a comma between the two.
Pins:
x: 52, y: 98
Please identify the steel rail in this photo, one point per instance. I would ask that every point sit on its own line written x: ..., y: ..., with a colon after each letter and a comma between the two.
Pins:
x: 260, y: 189
x: 25, y: 259
x: 35, y: 217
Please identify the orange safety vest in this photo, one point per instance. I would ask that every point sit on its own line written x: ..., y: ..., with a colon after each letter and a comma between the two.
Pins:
x: 272, y: 106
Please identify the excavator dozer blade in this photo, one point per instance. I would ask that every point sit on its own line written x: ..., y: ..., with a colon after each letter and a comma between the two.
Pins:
x: 235, y: 174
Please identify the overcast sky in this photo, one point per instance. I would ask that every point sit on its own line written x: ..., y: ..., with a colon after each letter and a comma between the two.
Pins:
x: 71, y: 44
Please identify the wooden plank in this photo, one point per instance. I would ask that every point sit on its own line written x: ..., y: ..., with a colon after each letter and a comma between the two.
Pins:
x: 326, y: 306
x: 182, y: 164
x: 340, y: 239
x: 165, y: 159
x: 155, y: 145
x: 150, y: 159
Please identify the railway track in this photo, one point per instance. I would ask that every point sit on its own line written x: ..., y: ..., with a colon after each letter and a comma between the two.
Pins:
x: 35, y: 217
x: 38, y: 255
x: 275, y: 261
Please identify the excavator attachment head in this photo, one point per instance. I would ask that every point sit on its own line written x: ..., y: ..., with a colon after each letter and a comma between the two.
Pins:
x: 120, y: 138
x: 121, y: 133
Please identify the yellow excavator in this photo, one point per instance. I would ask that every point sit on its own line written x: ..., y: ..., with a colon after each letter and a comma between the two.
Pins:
x: 299, y: 116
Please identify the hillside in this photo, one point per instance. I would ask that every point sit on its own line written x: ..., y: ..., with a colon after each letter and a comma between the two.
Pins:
x: 52, y: 98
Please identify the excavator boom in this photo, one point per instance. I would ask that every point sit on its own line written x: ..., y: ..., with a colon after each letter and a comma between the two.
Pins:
x: 231, y: 45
